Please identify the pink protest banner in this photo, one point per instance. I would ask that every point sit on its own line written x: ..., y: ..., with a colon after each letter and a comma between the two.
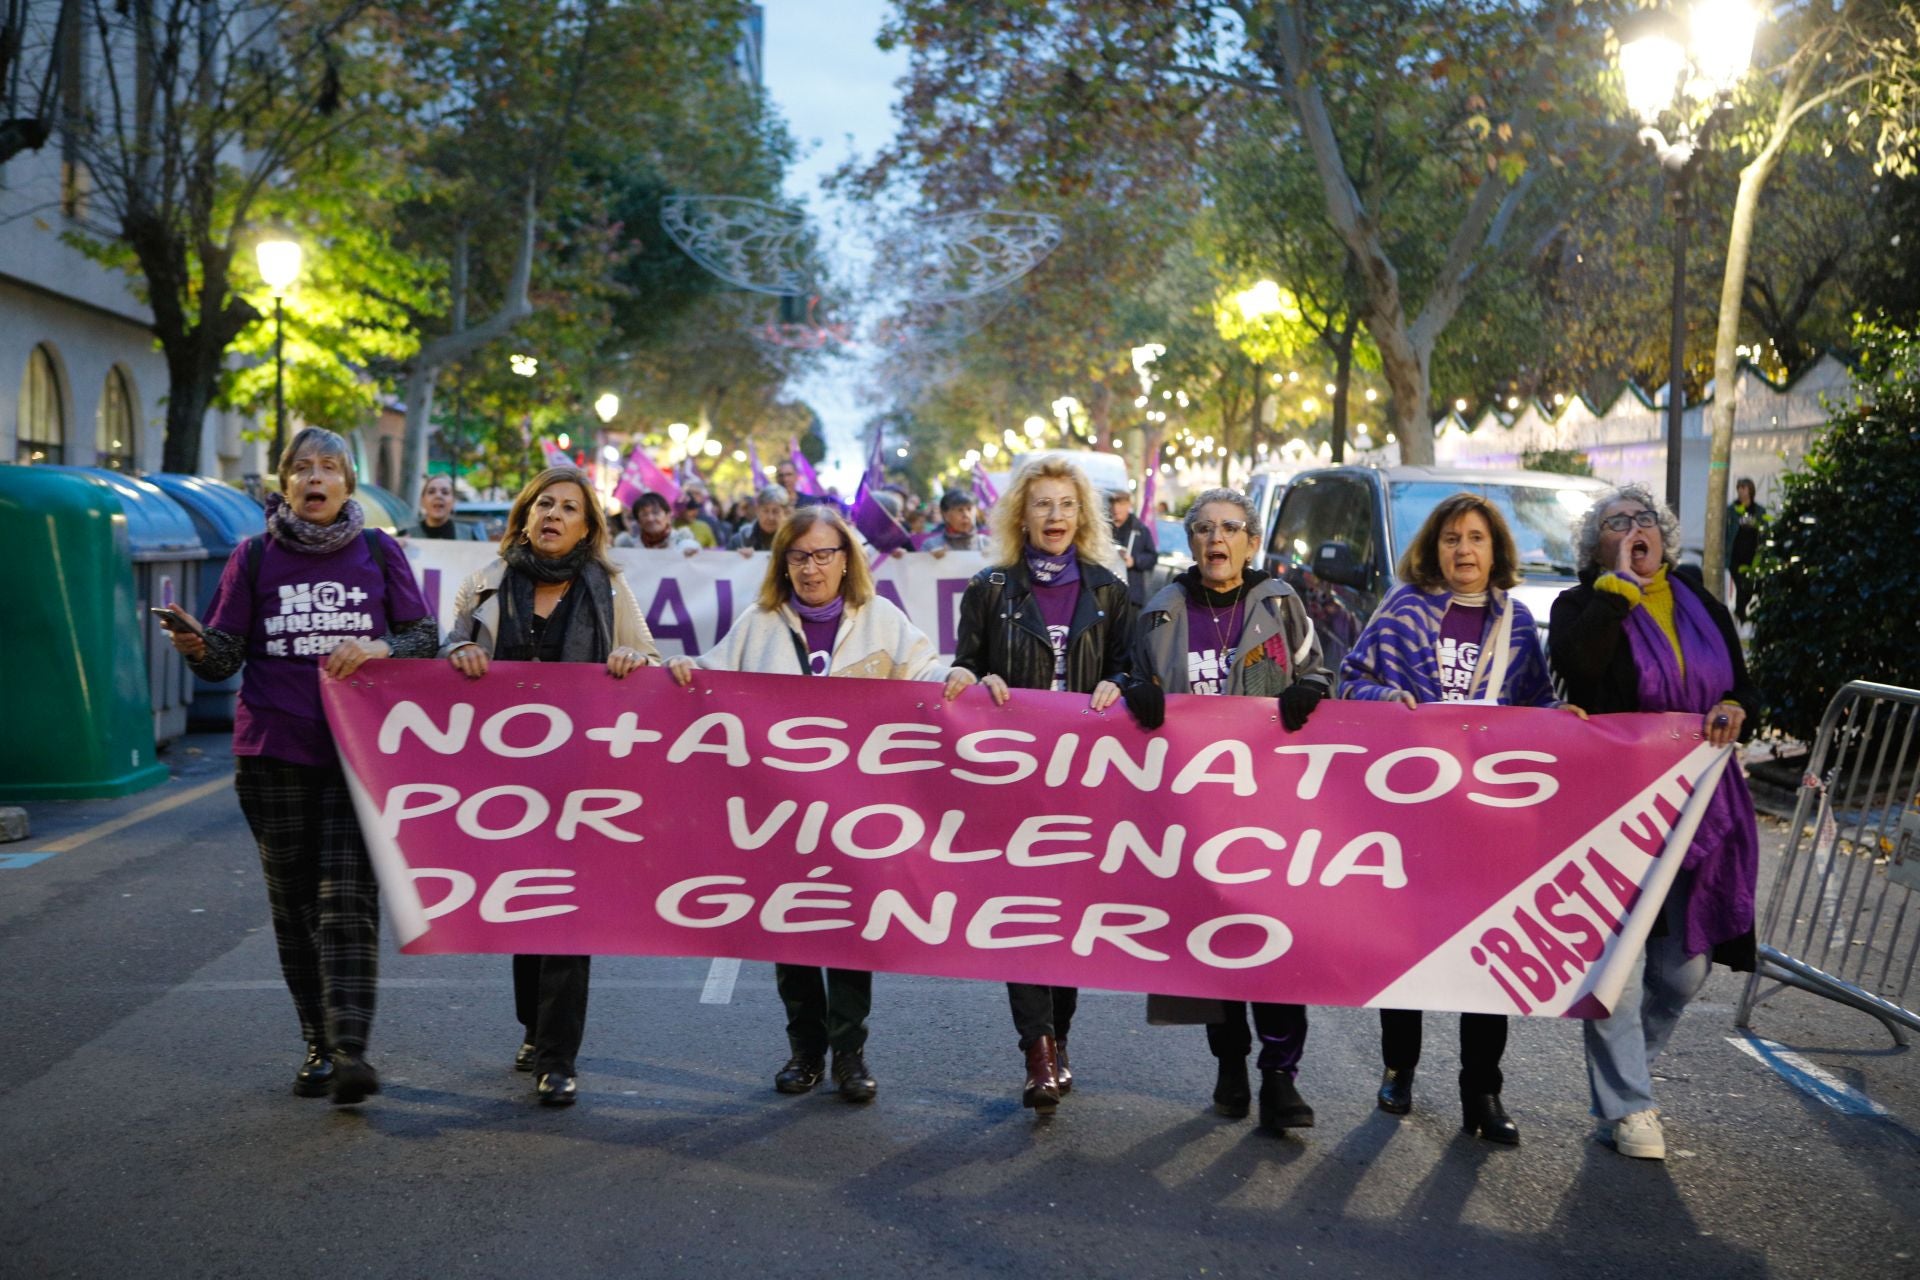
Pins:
x: 1476, y: 858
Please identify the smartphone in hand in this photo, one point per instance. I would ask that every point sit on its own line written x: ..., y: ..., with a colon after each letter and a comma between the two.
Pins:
x: 176, y: 622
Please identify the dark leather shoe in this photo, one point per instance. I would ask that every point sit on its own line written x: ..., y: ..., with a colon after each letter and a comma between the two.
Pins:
x: 1396, y: 1091
x: 1281, y: 1106
x: 523, y: 1060
x: 1232, y: 1094
x: 1042, y: 1091
x: 802, y: 1072
x: 1062, y: 1073
x: 315, y: 1075
x: 851, y: 1078
x: 554, y: 1089
x: 1484, y: 1117
x: 353, y: 1079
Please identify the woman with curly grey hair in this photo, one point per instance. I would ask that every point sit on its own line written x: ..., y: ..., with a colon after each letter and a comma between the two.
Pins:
x: 1641, y: 633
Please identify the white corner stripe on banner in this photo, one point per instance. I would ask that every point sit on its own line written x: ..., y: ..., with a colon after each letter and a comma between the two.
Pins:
x: 721, y: 976
x: 1808, y: 1078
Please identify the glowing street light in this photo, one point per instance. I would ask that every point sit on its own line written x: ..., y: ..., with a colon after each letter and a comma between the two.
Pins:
x: 607, y: 406
x: 678, y: 432
x: 1262, y: 298
x: 525, y: 366
x: 279, y: 266
x: 1035, y: 427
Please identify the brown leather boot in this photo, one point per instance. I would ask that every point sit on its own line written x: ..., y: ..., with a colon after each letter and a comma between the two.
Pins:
x: 1043, y: 1086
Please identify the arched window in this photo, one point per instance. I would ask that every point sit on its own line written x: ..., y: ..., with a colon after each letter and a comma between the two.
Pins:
x: 42, y: 435
x: 113, y: 425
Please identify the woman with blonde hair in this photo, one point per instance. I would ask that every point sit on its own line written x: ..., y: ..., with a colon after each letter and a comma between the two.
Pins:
x: 1047, y: 614
x: 552, y: 596
x: 818, y: 615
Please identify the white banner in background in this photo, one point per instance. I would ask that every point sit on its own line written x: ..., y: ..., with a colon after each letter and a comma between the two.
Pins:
x: 691, y: 600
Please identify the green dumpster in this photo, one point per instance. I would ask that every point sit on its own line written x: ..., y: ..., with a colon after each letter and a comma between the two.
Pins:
x: 73, y: 685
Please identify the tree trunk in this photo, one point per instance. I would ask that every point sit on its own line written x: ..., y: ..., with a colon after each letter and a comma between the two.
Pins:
x: 1753, y: 179
x: 1100, y: 414
x: 424, y: 373
x: 1342, y: 378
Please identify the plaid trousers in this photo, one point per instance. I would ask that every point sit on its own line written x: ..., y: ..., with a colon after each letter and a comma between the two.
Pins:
x: 321, y: 892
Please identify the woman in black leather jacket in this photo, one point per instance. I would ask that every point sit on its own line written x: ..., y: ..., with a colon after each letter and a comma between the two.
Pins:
x: 1047, y: 614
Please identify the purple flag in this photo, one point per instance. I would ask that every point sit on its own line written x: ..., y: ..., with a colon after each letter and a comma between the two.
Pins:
x: 984, y: 494
x: 645, y: 473
x: 875, y: 523
x: 809, y: 482
x: 753, y: 460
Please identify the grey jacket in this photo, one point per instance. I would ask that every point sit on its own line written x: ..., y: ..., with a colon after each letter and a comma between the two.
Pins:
x: 1277, y: 645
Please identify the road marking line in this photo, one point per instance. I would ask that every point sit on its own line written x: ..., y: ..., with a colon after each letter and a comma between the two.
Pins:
x: 721, y: 976
x: 15, y: 861
x: 1808, y: 1078
x: 67, y: 844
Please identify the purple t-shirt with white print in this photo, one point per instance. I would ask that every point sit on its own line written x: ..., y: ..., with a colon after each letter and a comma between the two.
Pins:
x: 1460, y: 634
x: 820, y: 638
x: 1056, y: 610
x: 297, y: 610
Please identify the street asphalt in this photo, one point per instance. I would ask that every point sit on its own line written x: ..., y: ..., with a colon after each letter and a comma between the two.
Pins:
x: 147, y: 1127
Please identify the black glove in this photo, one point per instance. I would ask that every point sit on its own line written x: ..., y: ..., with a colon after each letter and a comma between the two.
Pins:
x: 1297, y: 702
x: 1146, y: 702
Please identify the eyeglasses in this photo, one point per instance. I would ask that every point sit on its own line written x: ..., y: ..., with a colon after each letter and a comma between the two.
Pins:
x: 822, y: 556
x: 1203, y: 529
x: 1048, y: 507
x: 1622, y: 522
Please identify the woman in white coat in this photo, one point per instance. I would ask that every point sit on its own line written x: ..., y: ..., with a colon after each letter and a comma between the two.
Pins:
x: 817, y: 614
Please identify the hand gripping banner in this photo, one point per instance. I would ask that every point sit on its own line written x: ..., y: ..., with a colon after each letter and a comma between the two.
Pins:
x: 1486, y: 859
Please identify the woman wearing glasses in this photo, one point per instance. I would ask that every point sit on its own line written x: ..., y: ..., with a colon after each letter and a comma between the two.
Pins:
x: 817, y: 615
x: 1222, y: 628
x: 1452, y: 633
x: 1641, y: 634
x: 1046, y: 614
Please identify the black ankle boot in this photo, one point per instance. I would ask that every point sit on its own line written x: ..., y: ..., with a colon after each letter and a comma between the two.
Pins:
x: 1484, y: 1117
x: 1232, y: 1094
x: 1281, y: 1106
x: 1396, y: 1091
x: 315, y: 1075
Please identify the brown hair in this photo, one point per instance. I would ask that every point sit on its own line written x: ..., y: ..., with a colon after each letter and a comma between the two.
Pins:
x: 596, y: 518
x: 1420, y: 565
x: 1092, y: 538
x: 856, y: 588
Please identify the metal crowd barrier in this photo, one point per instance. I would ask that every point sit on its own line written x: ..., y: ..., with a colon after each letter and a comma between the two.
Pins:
x: 1842, y: 920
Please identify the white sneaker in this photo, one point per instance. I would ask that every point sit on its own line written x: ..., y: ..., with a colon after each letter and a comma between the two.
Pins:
x: 1640, y: 1135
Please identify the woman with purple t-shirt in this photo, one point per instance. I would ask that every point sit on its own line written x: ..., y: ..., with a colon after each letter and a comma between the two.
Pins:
x: 1452, y: 633
x: 818, y: 615
x: 1047, y: 614
x: 317, y: 591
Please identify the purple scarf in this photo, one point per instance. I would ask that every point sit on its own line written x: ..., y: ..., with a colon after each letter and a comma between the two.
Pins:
x: 308, y: 538
x: 829, y: 612
x: 1053, y: 571
x: 1724, y: 858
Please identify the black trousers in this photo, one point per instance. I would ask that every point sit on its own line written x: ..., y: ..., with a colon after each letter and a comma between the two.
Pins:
x: 1742, y: 590
x: 550, y: 998
x: 1282, y: 1028
x: 1041, y: 1010
x: 321, y: 894
x: 826, y: 1008
x: 1483, y: 1038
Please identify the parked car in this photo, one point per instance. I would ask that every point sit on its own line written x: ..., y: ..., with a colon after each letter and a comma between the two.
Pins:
x: 1265, y: 489
x: 1176, y: 557
x: 1339, y: 531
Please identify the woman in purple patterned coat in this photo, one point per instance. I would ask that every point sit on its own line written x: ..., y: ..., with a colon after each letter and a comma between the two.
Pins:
x: 1452, y: 633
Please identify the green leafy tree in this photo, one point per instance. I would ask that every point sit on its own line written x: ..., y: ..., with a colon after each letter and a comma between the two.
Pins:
x: 1837, y: 576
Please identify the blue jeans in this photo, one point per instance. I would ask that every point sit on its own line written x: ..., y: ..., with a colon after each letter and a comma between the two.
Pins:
x: 1622, y: 1049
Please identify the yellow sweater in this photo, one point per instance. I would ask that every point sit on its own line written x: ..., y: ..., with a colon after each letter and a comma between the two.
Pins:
x: 1655, y: 595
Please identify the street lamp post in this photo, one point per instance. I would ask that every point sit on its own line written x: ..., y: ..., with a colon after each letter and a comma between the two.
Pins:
x: 1689, y: 81
x: 279, y: 266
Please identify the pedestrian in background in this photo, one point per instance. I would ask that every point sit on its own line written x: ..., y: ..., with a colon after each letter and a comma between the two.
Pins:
x: 1451, y: 632
x: 318, y: 590
x: 552, y: 596
x: 1138, y: 551
x: 818, y: 614
x: 653, y: 527
x: 436, y: 513
x: 1642, y: 634
x: 1224, y: 628
x: 1047, y: 614
x: 1744, y: 517
x: 958, y: 526
x: 770, y: 507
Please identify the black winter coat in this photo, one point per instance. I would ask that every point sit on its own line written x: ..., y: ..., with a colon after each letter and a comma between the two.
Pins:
x: 1588, y: 650
x: 1002, y: 632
